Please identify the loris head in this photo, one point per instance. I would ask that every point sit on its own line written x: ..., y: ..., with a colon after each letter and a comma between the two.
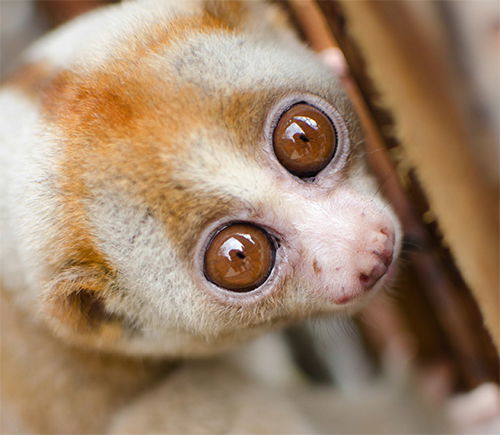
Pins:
x: 207, y: 181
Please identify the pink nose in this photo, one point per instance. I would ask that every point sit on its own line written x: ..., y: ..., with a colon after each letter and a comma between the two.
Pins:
x: 381, y: 259
x: 377, y: 257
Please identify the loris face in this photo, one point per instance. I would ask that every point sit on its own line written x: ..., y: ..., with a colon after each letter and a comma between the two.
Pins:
x: 206, y: 183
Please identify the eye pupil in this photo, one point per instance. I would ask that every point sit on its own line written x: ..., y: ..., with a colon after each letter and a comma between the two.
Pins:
x: 302, y: 124
x: 223, y: 263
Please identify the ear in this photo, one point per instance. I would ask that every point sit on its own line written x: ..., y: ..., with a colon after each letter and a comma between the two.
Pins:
x: 74, y: 304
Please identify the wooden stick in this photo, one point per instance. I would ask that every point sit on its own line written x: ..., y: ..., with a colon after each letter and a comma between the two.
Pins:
x: 460, y: 326
x: 416, y: 80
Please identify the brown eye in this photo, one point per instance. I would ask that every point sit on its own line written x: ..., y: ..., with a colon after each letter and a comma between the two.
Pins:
x: 304, y: 140
x: 239, y: 258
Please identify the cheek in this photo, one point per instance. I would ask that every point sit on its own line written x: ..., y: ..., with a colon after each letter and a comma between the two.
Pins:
x: 136, y: 244
x: 162, y: 294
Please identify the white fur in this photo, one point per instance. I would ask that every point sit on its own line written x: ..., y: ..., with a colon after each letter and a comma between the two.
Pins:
x: 27, y: 204
x: 238, y: 62
x: 92, y: 39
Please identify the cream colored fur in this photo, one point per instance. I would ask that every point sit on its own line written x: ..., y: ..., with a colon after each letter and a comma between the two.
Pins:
x: 103, y: 291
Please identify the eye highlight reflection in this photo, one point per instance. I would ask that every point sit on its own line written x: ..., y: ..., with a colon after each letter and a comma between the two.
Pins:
x: 304, y: 140
x: 239, y: 258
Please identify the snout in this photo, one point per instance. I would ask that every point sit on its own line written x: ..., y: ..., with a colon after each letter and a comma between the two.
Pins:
x: 370, y: 264
x: 380, y: 258
x: 347, y: 244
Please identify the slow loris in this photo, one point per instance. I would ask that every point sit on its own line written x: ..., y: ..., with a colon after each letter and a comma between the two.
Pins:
x: 178, y: 177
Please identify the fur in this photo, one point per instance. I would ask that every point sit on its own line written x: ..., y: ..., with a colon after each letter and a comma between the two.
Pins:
x: 128, y: 137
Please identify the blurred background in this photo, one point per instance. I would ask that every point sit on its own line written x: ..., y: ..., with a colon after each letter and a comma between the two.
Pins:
x: 425, y: 79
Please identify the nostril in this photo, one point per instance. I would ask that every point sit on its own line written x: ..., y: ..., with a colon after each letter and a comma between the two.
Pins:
x: 368, y: 280
x: 385, y: 256
x: 375, y: 262
x: 364, y: 278
x: 383, y: 247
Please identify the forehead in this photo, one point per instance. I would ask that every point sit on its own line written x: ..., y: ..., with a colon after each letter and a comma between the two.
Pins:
x: 152, y: 65
x: 176, y: 120
x: 192, y: 86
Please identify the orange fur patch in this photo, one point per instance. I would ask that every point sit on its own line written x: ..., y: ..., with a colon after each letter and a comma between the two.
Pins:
x: 115, y: 122
x: 114, y: 133
x: 100, y: 113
